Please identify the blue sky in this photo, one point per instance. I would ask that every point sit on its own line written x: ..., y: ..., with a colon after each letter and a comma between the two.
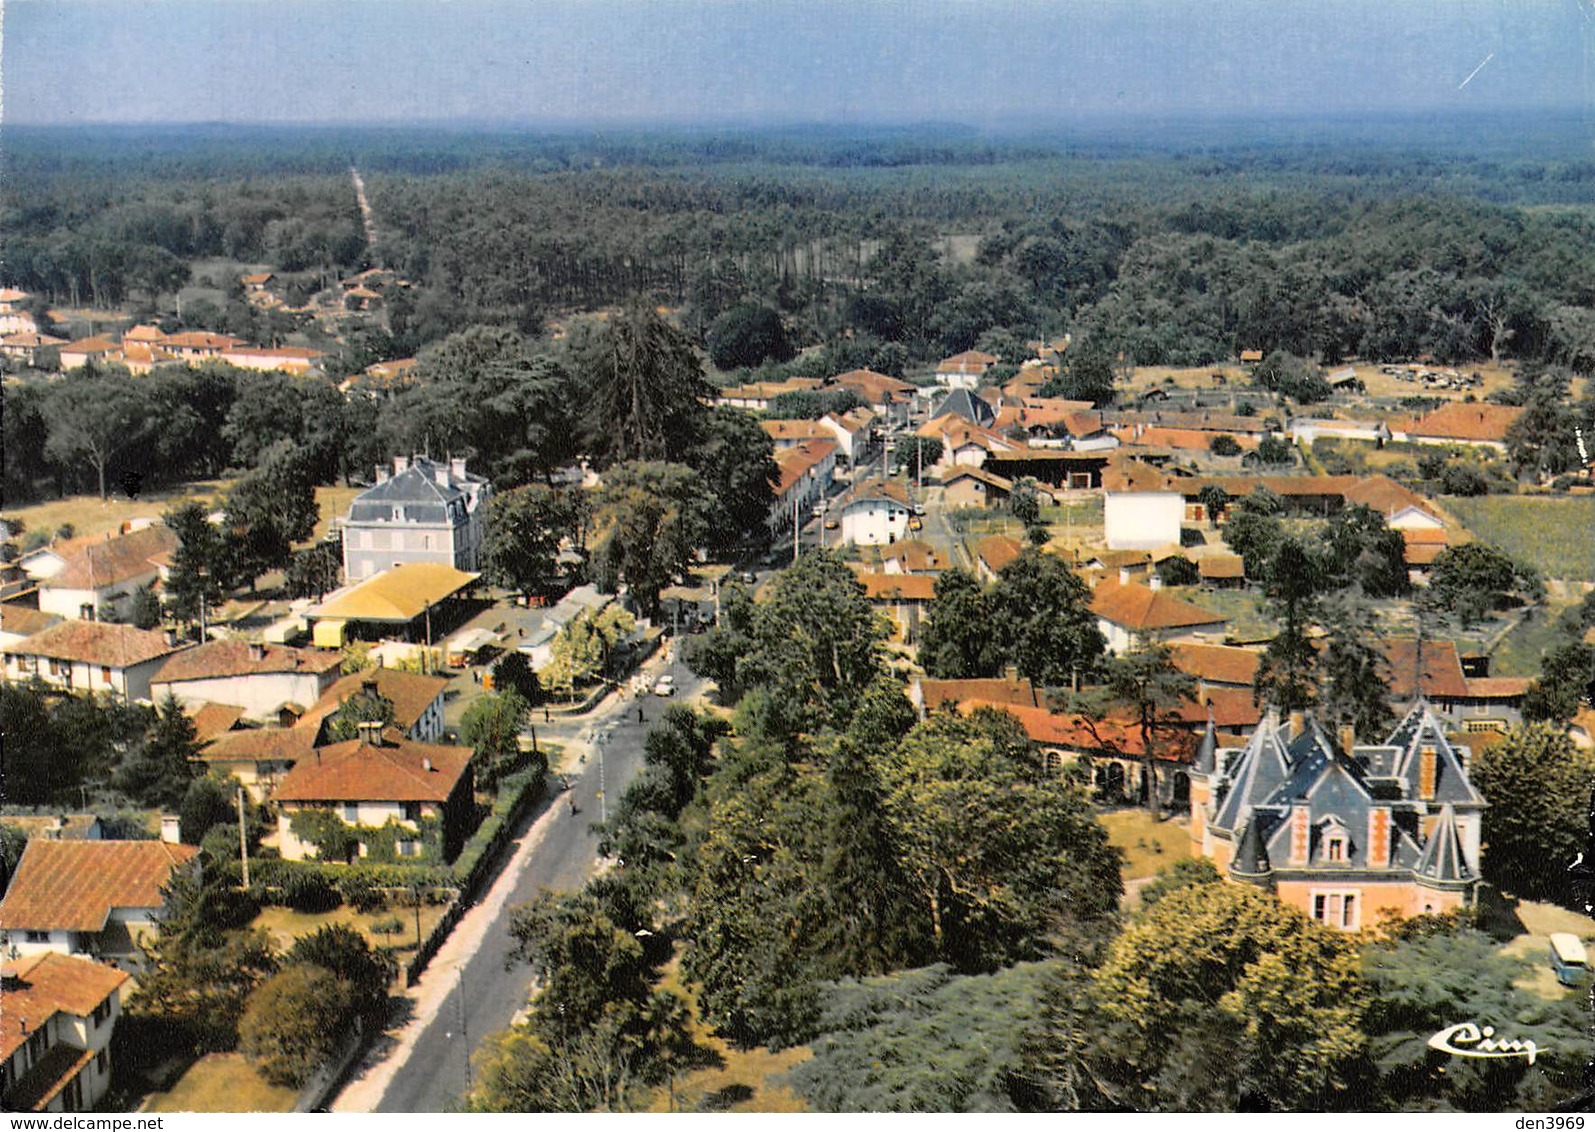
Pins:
x: 981, y: 62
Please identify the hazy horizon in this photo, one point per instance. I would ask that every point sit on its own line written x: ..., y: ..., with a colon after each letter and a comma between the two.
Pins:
x: 572, y: 64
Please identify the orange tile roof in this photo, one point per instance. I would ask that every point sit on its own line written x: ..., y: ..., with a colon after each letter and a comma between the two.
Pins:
x: 12, y: 295
x: 257, y: 277
x: 200, y: 340
x: 144, y: 333
x: 876, y: 388
x: 793, y: 463
x: 1184, y: 439
x: 98, y: 563
x: 98, y: 344
x: 292, y: 353
x: 1122, y: 474
x: 1062, y: 729
x: 216, y: 660
x: 356, y: 771
x: 1497, y: 687
x: 31, y: 339
x: 996, y: 551
x: 1220, y: 567
x: 1467, y: 420
x: 24, y: 620
x: 968, y: 360
x: 1387, y: 497
x: 898, y: 587
x: 411, y: 693
x: 1220, y: 664
x: 1442, y: 669
x: 37, y: 987
x: 1140, y: 608
x: 94, y: 642
x: 264, y: 744
x: 74, y: 885
x: 874, y: 489
x: 211, y: 720
x: 969, y: 471
x: 914, y: 555
x: 796, y: 430
x: 995, y: 689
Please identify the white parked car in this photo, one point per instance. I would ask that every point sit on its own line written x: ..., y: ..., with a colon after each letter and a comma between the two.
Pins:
x: 665, y: 685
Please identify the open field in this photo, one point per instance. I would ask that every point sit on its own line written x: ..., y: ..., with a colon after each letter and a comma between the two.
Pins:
x: 90, y: 515
x: 1555, y: 535
x: 1377, y: 384
x: 223, y: 1082
x: 1148, y: 846
x: 286, y: 925
x: 1522, y: 650
x: 1539, y: 921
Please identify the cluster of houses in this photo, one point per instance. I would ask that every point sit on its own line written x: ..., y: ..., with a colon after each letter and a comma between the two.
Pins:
x: 141, y: 348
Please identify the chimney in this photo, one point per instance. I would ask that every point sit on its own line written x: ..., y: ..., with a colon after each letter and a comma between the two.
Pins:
x: 1155, y: 581
x: 370, y: 731
x: 1428, y: 769
x: 440, y: 474
x: 368, y: 684
x: 1301, y: 834
x: 426, y: 765
x: 1348, y: 739
x: 1379, y: 837
x: 1298, y: 723
x: 257, y: 651
x: 1124, y: 575
x: 171, y: 637
x: 382, y: 473
x: 457, y: 467
x: 1011, y: 673
x: 400, y: 464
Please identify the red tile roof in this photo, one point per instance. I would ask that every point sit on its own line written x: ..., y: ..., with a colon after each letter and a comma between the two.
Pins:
x: 74, y: 885
x: 1220, y: 567
x: 38, y: 987
x: 1125, y: 475
x: 211, y: 720
x: 411, y: 693
x: 875, y: 388
x: 915, y: 556
x: 792, y: 464
x: 94, y: 642
x: 200, y: 340
x: 1140, y: 608
x: 996, y: 551
x: 1467, y: 420
x: 1442, y: 669
x: 874, y: 489
x: 1497, y: 687
x: 1387, y: 497
x: 24, y: 620
x: 1219, y: 664
x: 796, y: 430
x: 898, y: 587
x: 997, y: 690
x: 264, y: 744
x: 356, y: 771
x: 1060, y: 729
x: 966, y: 361
x: 215, y: 660
x: 98, y: 563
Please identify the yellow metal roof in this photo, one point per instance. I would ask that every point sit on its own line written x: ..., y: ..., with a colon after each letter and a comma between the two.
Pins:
x: 401, y: 594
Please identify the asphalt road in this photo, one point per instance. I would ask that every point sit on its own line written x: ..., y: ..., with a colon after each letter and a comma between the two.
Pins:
x: 489, y: 995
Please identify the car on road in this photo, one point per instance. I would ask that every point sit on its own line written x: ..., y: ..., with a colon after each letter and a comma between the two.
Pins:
x: 665, y: 685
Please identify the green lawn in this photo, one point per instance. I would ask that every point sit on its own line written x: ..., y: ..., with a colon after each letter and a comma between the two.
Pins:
x: 1243, y: 608
x: 1148, y: 846
x: 223, y: 1082
x: 1521, y: 651
x: 286, y: 925
x: 1554, y: 534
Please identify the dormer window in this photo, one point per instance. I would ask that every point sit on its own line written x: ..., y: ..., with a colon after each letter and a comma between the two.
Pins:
x: 1335, y: 849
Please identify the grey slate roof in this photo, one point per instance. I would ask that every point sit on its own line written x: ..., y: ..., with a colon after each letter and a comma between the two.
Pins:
x: 1207, y: 751
x: 417, y: 490
x: 963, y: 403
x: 1251, y: 859
x: 1442, y: 863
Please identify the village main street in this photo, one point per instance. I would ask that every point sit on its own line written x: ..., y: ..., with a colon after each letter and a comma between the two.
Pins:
x: 469, y: 992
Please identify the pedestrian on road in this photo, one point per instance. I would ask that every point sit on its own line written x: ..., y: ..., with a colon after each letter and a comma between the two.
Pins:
x: 639, y: 713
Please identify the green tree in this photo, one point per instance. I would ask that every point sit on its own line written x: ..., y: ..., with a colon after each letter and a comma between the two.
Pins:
x: 92, y: 421
x: 1273, y: 451
x: 160, y: 769
x: 747, y: 335
x: 581, y: 651
x: 1542, y: 441
x: 1024, y: 502
x: 643, y: 386
x: 1475, y: 579
x: 1431, y: 973
x: 200, y: 573
x: 1086, y: 375
x: 736, y: 461
x: 1253, y: 530
x: 653, y: 518
x: 1293, y: 377
x: 1216, y: 997
x: 967, y: 800
x: 1354, y: 677
x: 1223, y: 444
x: 526, y: 527
x: 916, y: 452
x: 513, y: 673
x: 1040, y: 620
x: 815, y: 643
x: 717, y: 653
x: 269, y: 510
x: 1147, y: 683
x: 207, y: 802
x: 1285, y: 675
x: 365, y: 971
x: 1359, y: 549
x: 491, y: 727
x: 955, y: 641
x: 365, y: 706
x: 314, y: 571
x: 293, y: 1023
x: 1566, y: 682
x: 146, y: 611
x: 1537, y: 784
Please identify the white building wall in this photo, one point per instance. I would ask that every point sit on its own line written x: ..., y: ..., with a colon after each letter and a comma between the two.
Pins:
x: 874, y: 522
x: 259, y: 694
x: 1142, y: 520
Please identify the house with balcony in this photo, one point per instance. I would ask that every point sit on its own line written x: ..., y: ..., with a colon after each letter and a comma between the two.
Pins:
x: 55, y: 1044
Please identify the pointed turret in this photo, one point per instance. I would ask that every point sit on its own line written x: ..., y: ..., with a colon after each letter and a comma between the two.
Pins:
x: 1251, y: 862
x: 1443, y: 864
x: 1207, y: 751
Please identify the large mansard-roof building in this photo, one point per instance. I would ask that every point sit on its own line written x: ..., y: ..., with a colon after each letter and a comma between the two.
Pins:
x: 1345, y: 832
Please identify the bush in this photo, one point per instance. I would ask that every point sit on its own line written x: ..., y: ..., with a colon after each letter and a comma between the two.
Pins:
x: 362, y: 893
x: 294, y: 1022
x: 1224, y: 445
x: 309, y: 892
x: 388, y: 925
